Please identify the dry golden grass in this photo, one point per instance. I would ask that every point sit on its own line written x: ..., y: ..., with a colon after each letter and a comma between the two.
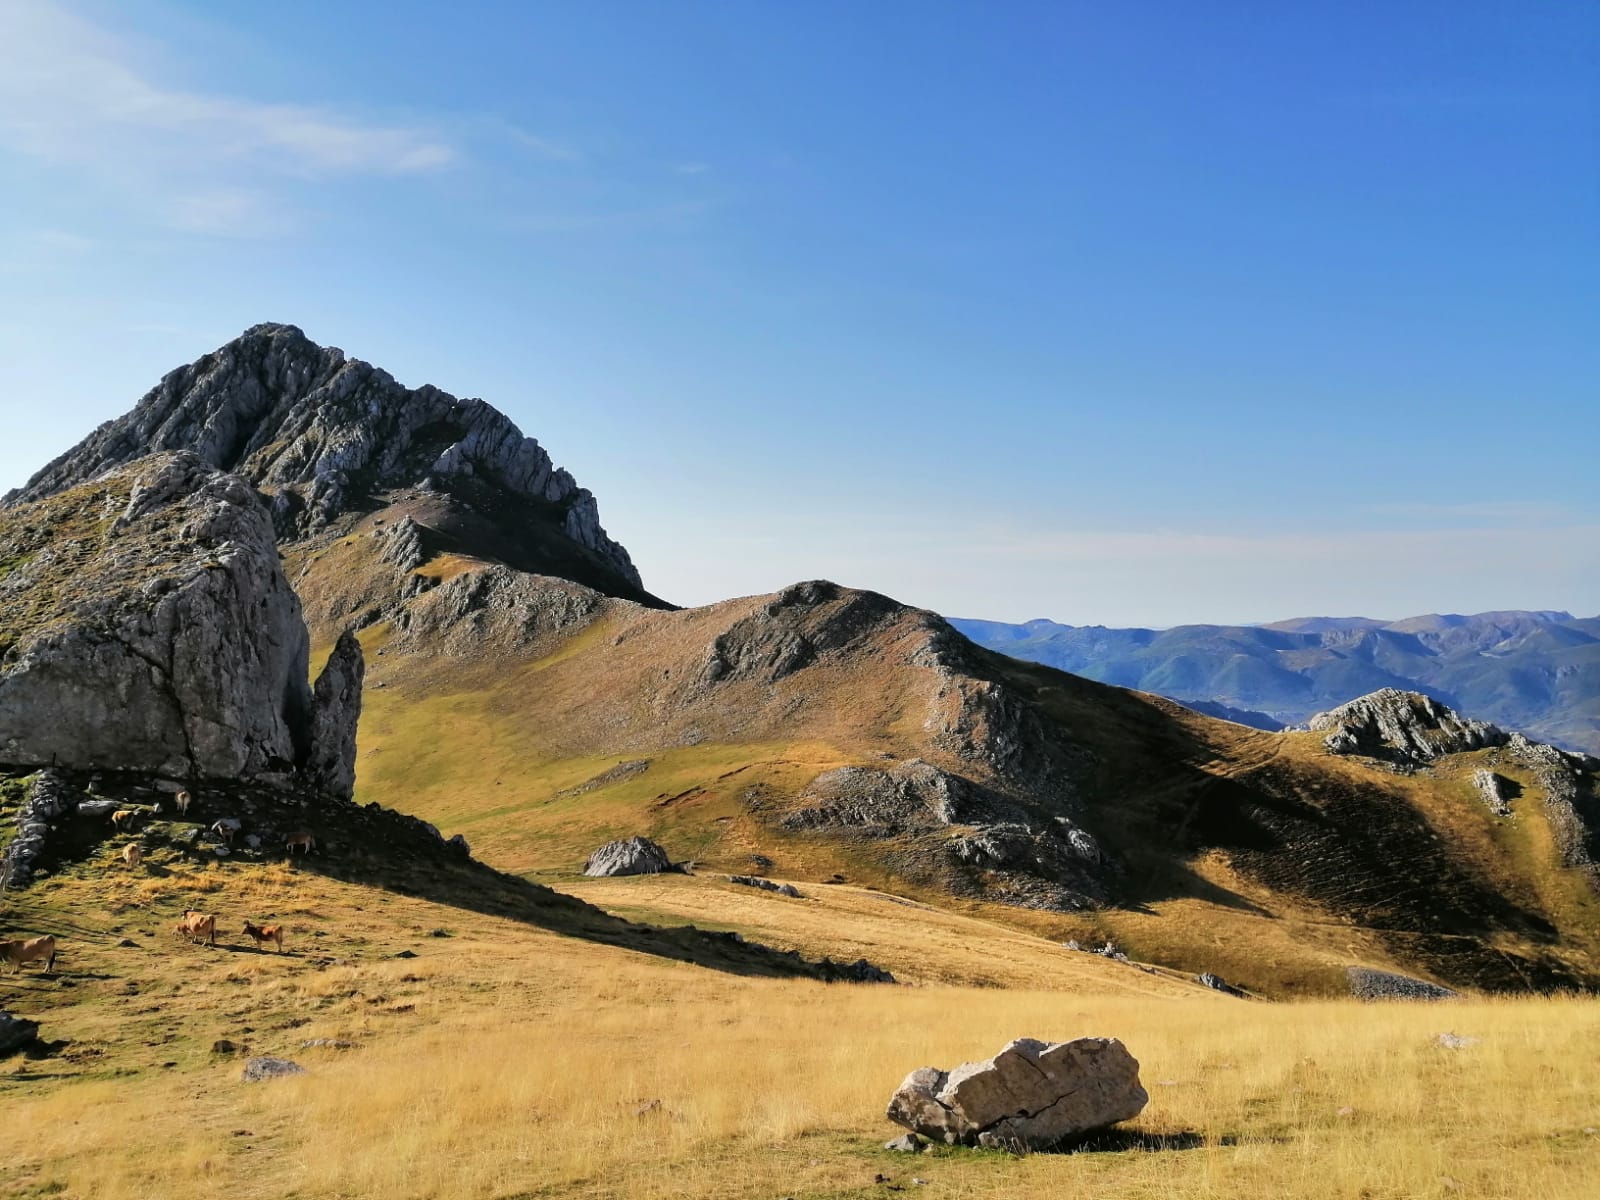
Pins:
x: 507, y: 1061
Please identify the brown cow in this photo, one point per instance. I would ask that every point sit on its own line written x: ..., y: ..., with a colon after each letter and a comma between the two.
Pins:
x: 124, y: 818
x: 132, y: 855
x: 30, y: 950
x: 265, y: 933
x: 197, y: 926
x: 303, y: 840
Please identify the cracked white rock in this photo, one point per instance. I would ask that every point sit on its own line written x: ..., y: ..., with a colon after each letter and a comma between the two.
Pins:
x: 204, y: 676
x: 1032, y: 1095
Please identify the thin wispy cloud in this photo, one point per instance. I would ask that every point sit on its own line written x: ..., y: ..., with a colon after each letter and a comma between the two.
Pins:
x: 77, y: 96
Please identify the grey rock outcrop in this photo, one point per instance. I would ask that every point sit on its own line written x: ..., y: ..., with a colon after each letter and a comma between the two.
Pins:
x: 766, y: 885
x: 320, y: 433
x: 1405, y: 728
x: 335, y: 712
x: 1369, y: 984
x: 149, y: 627
x: 1492, y: 788
x: 1033, y: 863
x: 259, y: 1069
x: 1572, y: 804
x: 50, y: 800
x: 1218, y: 984
x: 631, y: 856
x: 492, y: 605
x: 1032, y: 1095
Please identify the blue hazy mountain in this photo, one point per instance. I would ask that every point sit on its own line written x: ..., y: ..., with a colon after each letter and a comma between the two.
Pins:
x: 1538, y: 672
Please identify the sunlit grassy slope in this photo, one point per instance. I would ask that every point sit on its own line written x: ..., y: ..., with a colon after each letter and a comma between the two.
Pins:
x: 508, y: 1061
x: 540, y: 753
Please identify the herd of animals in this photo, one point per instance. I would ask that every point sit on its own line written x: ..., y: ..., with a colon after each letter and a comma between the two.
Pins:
x: 195, y: 926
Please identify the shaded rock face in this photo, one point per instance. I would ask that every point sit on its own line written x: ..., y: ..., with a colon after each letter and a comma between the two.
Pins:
x: 1405, y: 728
x: 1032, y: 1095
x: 50, y: 799
x: 633, y: 856
x: 335, y: 711
x: 15, y: 1033
x: 1369, y: 984
x: 322, y: 433
x: 147, y: 625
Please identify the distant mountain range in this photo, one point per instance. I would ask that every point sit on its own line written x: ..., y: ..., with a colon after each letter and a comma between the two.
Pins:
x: 1538, y: 672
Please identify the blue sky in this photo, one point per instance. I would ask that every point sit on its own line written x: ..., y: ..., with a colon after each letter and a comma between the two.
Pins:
x: 1139, y: 313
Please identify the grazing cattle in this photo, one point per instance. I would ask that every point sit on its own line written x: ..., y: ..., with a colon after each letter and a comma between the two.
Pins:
x: 30, y: 950
x: 132, y: 855
x: 197, y: 926
x: 301, y: 841
x: 124, y: 818
x: 181, y: 800
x: 265, y: 933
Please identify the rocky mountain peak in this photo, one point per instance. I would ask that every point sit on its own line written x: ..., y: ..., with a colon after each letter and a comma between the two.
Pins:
x: 323, y: 435
x: 1407, y: 728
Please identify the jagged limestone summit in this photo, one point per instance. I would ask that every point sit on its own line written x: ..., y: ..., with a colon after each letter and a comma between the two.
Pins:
x: 324, y: 436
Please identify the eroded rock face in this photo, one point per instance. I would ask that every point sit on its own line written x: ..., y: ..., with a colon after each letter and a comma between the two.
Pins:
x: 1032, y: 1095
x: 335, y: 712
x: 632, y: 856
x: 1492, y: 788
x: 1571, y: 797
x: 1406, y: 728
x: 146, y: 625
x: 320, y: 433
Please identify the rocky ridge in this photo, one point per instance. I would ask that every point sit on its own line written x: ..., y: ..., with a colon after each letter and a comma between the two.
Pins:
x: 1407, y: 729
x: 323, y: 435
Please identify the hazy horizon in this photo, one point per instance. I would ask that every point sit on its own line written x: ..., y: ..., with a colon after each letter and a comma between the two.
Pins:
x: 1133, y: 318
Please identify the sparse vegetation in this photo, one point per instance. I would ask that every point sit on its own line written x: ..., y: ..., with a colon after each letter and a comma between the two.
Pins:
x: 510, y: 1061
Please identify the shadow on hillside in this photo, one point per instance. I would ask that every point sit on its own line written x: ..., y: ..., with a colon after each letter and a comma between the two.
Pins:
x: 375, y: 847
x: 1118, y: 1141
x: 440, y: 876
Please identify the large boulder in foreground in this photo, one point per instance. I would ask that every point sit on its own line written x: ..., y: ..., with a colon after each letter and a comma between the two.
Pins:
x: 633, y: 856
x: 1032, y: 1095
x: 146, y: 625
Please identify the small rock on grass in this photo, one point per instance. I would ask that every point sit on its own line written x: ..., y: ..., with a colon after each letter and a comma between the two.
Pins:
x: 258, y: 1069
x: 909, y: 1143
